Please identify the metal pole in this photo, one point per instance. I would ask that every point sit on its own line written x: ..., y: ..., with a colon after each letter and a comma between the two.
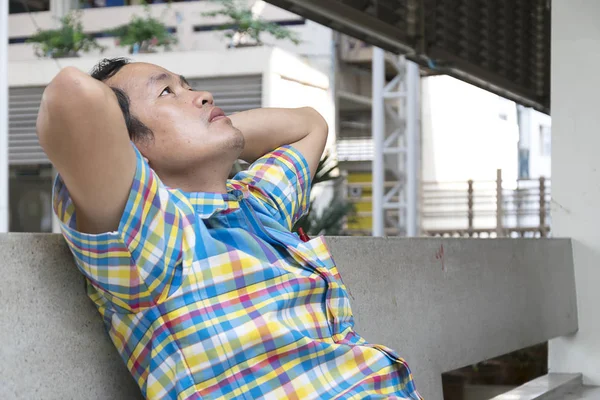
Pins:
x: 333, y: 84
x: 470, y: 213
x: 3, y: 115
x: 378, y: 132
x: 543, y: 232
x: 499, y: 205
x: 412, y: 148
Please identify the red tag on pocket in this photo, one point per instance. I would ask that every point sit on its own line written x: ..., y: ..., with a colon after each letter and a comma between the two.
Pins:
x: 303, y: 236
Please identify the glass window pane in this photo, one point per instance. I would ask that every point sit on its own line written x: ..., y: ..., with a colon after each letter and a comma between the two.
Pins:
x: 21, y: 6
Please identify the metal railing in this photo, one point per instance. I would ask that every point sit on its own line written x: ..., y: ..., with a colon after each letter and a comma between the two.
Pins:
x: 494, y: 208
x: 355, y: 149
x: 486, y: 208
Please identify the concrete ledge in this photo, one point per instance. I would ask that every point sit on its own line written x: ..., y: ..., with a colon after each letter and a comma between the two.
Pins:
x: 583, y: 393
x: 547, y: 387
x: 447, y: 303
x: 54, y: 345
x: 441, y: 303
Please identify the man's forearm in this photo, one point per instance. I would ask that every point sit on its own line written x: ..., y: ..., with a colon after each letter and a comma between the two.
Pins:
x: 265, y: 129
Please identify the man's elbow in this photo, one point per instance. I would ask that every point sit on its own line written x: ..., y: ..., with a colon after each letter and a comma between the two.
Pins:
x: 319, y: 125
x: 68, y: 83
x: 68, y: 94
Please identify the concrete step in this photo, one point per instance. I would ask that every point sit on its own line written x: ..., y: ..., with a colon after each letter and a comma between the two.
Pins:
x: 584, y: 393
x: 547, y: 387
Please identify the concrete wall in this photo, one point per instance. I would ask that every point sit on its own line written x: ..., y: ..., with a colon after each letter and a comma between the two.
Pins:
x: 53, y: 342
x: 576, y: 173
x: 442, y: 304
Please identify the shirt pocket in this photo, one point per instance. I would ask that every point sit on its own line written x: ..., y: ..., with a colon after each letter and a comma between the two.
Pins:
x: 316, y: 254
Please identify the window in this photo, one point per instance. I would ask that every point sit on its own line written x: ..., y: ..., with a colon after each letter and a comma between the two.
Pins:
x: 30, y: 191
x: 22, y: 6
x: 545, y: 141
x: 119, y: 3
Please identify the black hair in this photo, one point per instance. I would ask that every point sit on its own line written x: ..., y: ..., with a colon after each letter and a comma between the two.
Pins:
x: 108, y: 68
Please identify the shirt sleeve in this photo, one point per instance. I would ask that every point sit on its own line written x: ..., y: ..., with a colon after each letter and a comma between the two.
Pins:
x: 281, y: 179
x: 135, y: 266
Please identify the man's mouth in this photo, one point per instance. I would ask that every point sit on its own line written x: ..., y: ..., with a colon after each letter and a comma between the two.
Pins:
x: 216, y: 114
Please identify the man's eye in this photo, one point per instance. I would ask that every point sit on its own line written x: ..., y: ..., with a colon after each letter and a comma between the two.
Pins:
x: 166, y: 91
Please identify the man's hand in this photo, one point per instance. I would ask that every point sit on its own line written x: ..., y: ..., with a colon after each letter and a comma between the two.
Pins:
x: 265, y: 129
x: 82, y: 130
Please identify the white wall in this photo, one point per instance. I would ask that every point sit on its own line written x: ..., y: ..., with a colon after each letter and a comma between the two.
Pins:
x: 469, y: 133
x: 576, y: 173
x: 198, y: 64
x: 539, y: 163
x: 463, y: 135
x: 533, y: 140
x: 293, y: 84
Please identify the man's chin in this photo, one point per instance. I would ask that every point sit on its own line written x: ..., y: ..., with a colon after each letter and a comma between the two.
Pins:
x: 241, y: 139
x: 235, y: 140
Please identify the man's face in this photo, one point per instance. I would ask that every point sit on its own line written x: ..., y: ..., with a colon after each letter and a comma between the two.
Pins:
x: 189, y: 131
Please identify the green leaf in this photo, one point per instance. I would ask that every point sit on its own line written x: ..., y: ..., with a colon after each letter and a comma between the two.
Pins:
x: 68, y: 39
x: 242, y: 21
x: 147, y: 32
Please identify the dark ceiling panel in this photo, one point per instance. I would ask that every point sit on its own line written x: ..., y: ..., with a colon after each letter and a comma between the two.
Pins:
x: 500, y: 45
x: 505, y: 42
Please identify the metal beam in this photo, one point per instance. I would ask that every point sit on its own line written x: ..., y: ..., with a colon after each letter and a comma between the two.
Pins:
x: 378, y: 129
x: 396, y: 127
x: 356, y: 98
x: 412, y: 146
x: 3, y: 115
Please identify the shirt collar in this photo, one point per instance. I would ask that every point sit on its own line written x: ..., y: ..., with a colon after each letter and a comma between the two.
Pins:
x: 207, y: 204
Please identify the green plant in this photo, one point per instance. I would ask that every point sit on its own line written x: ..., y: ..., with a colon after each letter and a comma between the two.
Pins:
x: 245, y: 28
x: 325, y: 170
x: 329, y: 222
x: 331, y: 219
x: 66, y: 41
x: 144, y: 34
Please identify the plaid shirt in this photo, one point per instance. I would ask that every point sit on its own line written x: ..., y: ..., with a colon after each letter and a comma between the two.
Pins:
x: 210, y: 295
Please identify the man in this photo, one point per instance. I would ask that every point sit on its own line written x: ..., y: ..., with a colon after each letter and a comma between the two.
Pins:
x: 204, y: 289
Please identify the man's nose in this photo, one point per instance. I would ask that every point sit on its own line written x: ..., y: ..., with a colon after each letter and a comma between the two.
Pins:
x: 203, y: 98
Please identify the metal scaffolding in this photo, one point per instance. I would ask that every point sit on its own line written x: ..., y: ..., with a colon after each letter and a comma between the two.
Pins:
x: 395, y: 128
